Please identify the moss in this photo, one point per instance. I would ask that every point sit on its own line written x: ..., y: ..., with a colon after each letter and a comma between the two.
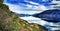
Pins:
x: 15, y: 25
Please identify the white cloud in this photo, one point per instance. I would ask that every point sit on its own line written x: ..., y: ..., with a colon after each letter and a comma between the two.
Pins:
x: 40, y: 7
x: 29, y: 6
x: 16, y: 8
x: 51, y: 6
x: 19, y: 10
x: 33, y: 3
x: 34, y: 20
x: 56, y: 2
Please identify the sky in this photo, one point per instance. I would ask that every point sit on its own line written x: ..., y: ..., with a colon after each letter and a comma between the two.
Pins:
x: 27, y: 7
x: 32, y: 7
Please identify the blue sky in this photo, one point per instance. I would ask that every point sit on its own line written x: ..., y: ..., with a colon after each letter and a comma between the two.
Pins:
x: 32, y: 7
x: 44, y: 2
x: 33, y: 3
x: 20, y: 6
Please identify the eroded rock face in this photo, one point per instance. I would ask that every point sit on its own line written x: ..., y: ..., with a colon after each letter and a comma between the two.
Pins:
x: 10, y: 22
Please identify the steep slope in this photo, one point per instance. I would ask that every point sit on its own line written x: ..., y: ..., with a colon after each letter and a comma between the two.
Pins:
x: 10, y: 22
